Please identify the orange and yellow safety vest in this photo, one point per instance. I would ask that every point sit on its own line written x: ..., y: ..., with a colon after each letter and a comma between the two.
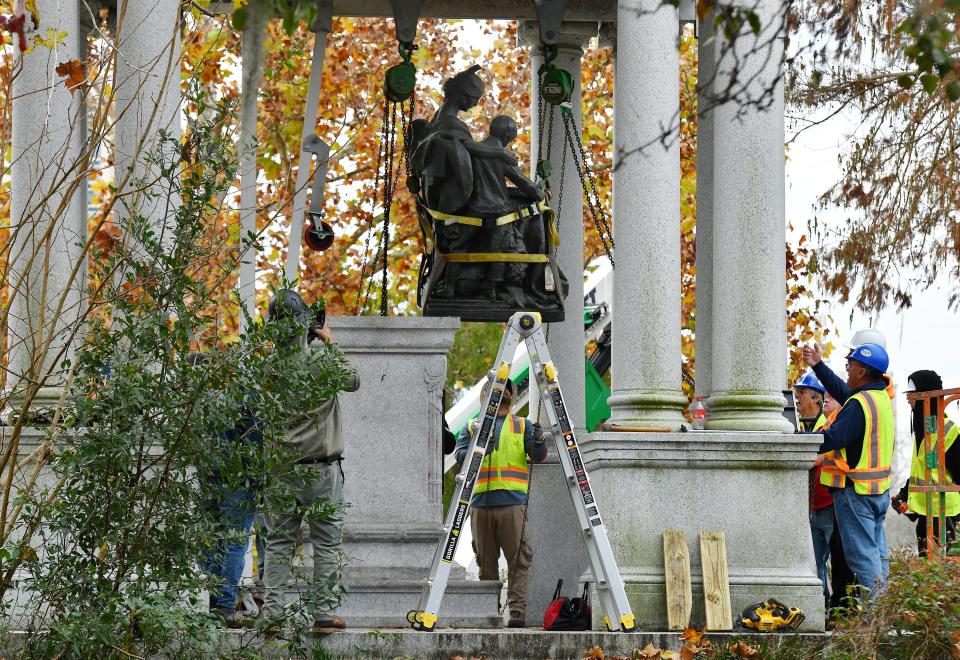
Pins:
x: 505, y: 468
x: 871, y: 474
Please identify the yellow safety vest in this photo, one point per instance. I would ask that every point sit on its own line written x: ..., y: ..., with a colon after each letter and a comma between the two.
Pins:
x: 871, y: 475
x: 917, y: 502
x: 819, y: 424
x: 505, y: 468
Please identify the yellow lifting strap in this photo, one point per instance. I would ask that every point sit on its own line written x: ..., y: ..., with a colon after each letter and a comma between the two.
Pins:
x: 490, y: 257
x: 525, y: 212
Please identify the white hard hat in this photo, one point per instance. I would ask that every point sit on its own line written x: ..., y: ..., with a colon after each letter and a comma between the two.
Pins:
x: 868, y: 336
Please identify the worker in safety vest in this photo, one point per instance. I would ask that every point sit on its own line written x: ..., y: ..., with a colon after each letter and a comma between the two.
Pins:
x: 915, y: 502
x: 808, y: 394
x: 841, y: 577
x: 858, y: 450
x: 499, y: 508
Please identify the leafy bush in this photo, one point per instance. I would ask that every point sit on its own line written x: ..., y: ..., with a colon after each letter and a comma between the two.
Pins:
x: 111, y: 548
x: 917, y: 617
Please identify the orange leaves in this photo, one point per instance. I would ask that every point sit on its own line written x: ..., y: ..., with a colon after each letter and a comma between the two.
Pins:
x: 75, y: 72
x: 692, y: 635
x: 742, y: 650
x: 106, y: 237
x: 694, y: 645
x: 695, y: 642
x: 955, y: 649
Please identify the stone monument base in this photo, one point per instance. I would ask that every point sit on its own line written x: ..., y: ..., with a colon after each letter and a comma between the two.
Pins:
x: 376, y: 602
x: 750, y: 486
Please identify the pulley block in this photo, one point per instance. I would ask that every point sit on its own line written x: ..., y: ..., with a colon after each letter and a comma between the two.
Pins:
x: 318, y: 235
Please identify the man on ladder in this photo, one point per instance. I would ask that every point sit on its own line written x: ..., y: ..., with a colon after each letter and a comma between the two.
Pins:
x: 499, y: 516
x: 478, y: 467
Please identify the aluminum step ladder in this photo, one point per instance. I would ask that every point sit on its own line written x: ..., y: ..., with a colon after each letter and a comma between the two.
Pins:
x: 526, y: 326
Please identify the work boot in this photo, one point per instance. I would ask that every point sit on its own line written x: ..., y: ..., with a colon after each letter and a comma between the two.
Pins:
x: 327, y: 626
x: 517, y: 620
x: 232, y: 618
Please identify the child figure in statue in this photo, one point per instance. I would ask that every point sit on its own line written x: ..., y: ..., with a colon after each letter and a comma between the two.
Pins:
x: 492, y: 198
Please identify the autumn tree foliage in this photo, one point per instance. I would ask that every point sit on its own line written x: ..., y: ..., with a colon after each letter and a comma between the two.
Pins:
x: 891, y: 70
x: 358, y: 51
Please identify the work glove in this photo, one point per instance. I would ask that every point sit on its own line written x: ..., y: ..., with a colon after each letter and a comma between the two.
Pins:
x: 539, y: 437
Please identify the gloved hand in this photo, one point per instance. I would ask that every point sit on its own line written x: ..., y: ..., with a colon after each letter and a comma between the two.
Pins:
x: 538, y: 435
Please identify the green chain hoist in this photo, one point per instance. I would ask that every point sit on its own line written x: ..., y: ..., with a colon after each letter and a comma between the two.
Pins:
x: 556, y: 88
x: 401, y: 79
x: 556, y: 84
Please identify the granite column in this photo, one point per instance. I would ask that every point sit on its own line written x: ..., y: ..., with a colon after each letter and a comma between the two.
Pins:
x: 147, y: 97
x: 747, y: 332
x: 551, y: 521
x: 646, y: 371
x: 47, y: 213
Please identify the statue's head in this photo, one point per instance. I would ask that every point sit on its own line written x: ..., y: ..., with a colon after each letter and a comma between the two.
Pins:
x: 504, y: 129
x: 465, y: 89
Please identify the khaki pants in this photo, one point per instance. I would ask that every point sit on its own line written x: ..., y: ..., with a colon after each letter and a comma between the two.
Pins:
x: 281, y: 529
x: 499, y: 528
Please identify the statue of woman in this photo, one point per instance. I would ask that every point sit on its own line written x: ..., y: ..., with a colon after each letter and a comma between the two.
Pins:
x: 444, y: 158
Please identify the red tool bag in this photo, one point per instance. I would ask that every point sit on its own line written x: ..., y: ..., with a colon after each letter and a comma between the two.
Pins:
x: 568, y: 613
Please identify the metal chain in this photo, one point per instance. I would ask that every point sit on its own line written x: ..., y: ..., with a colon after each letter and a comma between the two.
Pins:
x: 361, y: 298
x: 550, y: 132
x: 563, y: 167
x: 541, y: 117
x: 389, y: 184
x: 593, y: 200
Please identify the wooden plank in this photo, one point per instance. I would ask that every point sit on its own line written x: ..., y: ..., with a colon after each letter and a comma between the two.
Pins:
x: 676, y: 569
x: 716, y: 581
x: 619, y: 428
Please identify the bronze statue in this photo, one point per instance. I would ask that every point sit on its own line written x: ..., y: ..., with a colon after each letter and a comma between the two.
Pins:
x: 490, y: 252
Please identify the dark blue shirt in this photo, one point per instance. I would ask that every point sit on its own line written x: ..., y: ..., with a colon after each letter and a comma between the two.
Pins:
x: 536, y: 451
x: 849, y: 426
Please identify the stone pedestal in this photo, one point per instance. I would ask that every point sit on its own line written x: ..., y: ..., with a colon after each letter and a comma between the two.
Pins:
x: 393, y: 473
x: 750, y: 486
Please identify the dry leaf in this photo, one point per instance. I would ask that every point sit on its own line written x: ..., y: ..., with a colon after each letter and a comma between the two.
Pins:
x: 75, y: 72
x: 686, y: 653
x: 595, y: 653
x: 650, y: 651
x: 955, y: 651
x: 742, y: 650
x: 693, y: 635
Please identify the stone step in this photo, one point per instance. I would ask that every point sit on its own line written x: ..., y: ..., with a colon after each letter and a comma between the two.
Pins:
x: 503, y: 644
x: 372, y: 602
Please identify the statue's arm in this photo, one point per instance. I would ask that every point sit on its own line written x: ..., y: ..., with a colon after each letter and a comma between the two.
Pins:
x: 487, y: 151
x: 527, y: 187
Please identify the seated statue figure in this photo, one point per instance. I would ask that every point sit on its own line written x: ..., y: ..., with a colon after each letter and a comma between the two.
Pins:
x: 463, y: 185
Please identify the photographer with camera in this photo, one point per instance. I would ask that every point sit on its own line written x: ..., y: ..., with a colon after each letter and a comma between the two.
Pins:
x: 315, y: 430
